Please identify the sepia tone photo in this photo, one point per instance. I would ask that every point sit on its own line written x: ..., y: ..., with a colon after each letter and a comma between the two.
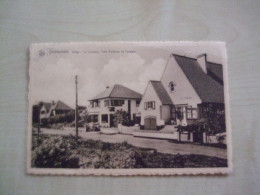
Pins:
x: 128, y: 108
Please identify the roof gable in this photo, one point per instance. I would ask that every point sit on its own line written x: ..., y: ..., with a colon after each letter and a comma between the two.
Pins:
x: 161, y: 92
x: 46, y: 105
x: 118, y: 91
x: 208, y: 89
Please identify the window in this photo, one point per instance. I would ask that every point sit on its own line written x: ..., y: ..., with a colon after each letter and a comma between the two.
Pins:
x: 192, y: 113
x: 117, y: 102
x: 114, y: 102
x: 94, y: 118
x: 172, y: 86
x: 179, y: 113
x: 173, y: 115
x: 137, y: 103
x: 95, y: 104
x: 189, y: 113
x: 43, y: 112
x: 104, y: 118
x: 149, y: 105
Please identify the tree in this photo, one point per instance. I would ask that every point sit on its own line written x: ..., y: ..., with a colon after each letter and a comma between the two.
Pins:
x: 121, y: 117
x: 84, y: 115
x: 36, y: 112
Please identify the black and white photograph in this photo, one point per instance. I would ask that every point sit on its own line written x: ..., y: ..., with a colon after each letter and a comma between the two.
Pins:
x: 128, y: 108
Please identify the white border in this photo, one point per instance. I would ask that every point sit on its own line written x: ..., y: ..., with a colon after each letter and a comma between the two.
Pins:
x: 135, y: 172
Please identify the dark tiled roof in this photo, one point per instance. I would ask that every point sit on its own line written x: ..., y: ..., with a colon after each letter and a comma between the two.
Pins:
x: 61, y: 106
x: 216, y: 71
x: 161, y: 92
x: 103, y: 94
x: 118, y: 91
x: 46, y: 105
x: 208, y: 89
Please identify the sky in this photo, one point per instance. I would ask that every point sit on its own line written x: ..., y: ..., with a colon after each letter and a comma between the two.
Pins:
x: 53, y: 67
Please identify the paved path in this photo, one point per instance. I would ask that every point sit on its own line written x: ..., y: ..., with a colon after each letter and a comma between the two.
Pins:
x: 163, y: 146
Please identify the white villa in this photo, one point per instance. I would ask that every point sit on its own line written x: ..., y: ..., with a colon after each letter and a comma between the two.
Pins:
x: 187, y: 88
x: 118, y: 97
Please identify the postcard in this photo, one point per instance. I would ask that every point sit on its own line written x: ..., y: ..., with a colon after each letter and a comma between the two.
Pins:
x: 128, y: 108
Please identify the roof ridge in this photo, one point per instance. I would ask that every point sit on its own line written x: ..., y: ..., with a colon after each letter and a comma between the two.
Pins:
x: 112, y: 90
x: 199, y: 83
x: 118, y: 90
x: 214, y: 63
x: 125, y: 88
x: 184, y: 56
x: 196, y: 59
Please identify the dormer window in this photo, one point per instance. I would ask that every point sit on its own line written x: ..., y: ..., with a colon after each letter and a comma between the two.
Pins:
x: 172, y: 86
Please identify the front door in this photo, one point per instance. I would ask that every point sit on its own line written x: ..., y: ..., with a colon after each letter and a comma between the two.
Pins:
x: 150, y: 124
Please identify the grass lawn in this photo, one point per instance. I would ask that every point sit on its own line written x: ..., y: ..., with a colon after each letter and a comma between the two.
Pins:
x: 56, y: 151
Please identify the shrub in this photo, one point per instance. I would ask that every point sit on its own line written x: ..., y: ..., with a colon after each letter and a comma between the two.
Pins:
x: 95, y: 128
x: 55, y: 152
x: 221, y: 139
x: 92, y: 128
x: 212, y: 125
x: 121, y: 117
x: 213, y: 117
x: 129, y: 123
x: 179, y: 161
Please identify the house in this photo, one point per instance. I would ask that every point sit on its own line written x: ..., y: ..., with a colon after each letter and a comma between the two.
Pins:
x: 44, y: 109
x: 118, y: 97
x: 189, y: 89
x: 48, y: 110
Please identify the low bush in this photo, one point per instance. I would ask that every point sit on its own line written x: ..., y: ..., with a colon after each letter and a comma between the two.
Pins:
x: 55, y: 152
x: 71, y: 152
x: 129, y: 123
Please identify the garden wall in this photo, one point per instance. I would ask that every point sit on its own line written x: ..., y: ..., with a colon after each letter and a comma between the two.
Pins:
x: 127, y: 130
x: 158, y: 135
x: 212, y: 139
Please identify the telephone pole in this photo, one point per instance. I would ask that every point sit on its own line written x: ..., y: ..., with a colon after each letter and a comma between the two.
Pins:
x: 76, y: 108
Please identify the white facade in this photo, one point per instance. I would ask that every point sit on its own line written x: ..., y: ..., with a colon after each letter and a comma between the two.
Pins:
x: 43, y: 112
x: 180, y: 91
x: 184, y: 93
x: 109, y: 110
x: 150, y: 95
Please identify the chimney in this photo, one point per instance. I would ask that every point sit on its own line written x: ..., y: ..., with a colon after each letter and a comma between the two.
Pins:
x: 202, y: 60
x: 52, y: 102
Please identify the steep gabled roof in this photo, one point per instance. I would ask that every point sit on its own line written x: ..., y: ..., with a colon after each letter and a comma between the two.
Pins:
x: 161, y: 92
x: 118, y: 91
x: 215, y: 71
x: 46, y: 105
x: 208, y: 89
x: 61, y: 106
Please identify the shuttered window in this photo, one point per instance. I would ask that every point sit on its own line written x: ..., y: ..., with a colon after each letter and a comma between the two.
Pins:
x: 149, y: 105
